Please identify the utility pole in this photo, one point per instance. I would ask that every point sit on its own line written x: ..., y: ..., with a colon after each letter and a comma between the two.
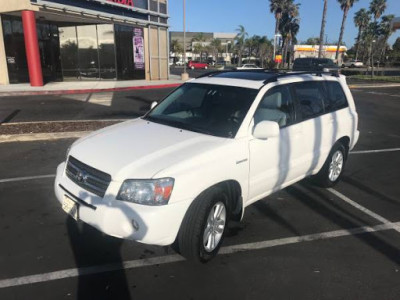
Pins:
x: 321, y: 36
x: 184, y: 76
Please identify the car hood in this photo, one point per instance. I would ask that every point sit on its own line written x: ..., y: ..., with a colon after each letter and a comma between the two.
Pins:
x: 140, y: 149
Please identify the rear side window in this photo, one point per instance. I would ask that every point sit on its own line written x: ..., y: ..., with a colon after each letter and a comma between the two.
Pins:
x: 336, y: 97
x: 311, y: 98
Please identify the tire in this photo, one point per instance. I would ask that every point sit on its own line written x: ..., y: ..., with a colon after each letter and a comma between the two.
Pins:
x: 353, y: 66
x: 343, y: 66
x: 196, y: 224
x: 330, y: 175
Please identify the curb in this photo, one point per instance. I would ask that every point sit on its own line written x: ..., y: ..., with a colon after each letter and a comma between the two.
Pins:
x: 89, y: 91
x: 29, y: 137
x: 360, y: 86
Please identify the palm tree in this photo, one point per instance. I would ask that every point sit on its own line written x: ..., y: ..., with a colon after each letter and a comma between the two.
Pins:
x: 345, y: 5
x: 199, y: 39
x: 289, y: 26
x: 377, y: 8
x: 361, y: 20
x: 385, y: 30
x: 240, y: 41
x: 277, y: 7
x: 322, y: 32
x: 215, y: 47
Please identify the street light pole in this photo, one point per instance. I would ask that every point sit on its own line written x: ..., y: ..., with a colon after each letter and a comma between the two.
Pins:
x: 184, y: 76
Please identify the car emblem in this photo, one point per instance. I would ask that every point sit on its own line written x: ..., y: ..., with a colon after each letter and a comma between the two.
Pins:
x: 81, y: 176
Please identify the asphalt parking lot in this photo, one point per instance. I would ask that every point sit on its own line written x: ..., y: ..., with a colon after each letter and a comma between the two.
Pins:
x: 300, y: 243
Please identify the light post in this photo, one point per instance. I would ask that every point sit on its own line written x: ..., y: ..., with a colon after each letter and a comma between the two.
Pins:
x: 185, y: 75
x: 276, y: 37
x: 372, y: 59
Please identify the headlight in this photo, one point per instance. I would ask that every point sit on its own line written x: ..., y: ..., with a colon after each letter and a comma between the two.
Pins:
x: 146, y: 192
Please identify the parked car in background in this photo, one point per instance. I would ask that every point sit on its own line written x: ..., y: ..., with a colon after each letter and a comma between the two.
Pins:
x: 315, y: 64
x: 179, y: 63
x: 197, y: 65
x: 353, y: 64
x: 248, y: 67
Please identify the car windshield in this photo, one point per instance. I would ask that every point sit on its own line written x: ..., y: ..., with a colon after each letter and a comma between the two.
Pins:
x: 210, y: 109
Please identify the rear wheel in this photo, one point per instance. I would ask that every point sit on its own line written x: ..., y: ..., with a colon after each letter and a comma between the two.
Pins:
x: 333, y: 167
x: 202, y: 230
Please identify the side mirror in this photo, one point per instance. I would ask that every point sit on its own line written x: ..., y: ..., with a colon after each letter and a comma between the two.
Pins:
x: 153, y: 104
x: 265, y: 130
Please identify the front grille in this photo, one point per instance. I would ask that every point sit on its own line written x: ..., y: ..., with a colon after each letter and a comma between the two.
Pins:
x: 87, y: 177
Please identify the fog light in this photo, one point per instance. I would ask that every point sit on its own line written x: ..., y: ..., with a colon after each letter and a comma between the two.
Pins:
x: 135, y: 225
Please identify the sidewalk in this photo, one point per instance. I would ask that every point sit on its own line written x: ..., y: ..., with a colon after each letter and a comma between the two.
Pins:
x: 83, y: 87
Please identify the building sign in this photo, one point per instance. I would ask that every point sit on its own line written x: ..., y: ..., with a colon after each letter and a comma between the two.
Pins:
x: 136, y: 9
x: 123, y: 2
x: 138, y: 48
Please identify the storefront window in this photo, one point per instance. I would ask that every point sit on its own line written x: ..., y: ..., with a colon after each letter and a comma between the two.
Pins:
x: 105, y: 34
x: 69, y: 53
x: 88, y: 56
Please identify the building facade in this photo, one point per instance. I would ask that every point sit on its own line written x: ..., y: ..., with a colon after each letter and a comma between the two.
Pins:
x: 227, y: 42
x: 60, y: 40
x: 328, y: 51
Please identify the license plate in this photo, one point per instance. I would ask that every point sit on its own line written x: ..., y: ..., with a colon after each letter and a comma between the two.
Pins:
x: 70, y: 207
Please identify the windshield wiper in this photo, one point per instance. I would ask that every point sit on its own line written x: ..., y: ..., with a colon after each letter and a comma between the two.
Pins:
x: 180, y: 125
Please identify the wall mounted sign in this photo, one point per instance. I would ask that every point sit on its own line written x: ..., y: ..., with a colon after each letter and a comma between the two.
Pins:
x: 138, y: 48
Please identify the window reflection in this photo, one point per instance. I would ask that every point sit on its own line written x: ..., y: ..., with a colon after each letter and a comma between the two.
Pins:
x: 88, y: 56
x: 69, y: 52
x: 105, y: 34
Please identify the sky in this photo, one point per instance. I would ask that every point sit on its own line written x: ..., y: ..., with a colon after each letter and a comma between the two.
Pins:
x: 254, y: 15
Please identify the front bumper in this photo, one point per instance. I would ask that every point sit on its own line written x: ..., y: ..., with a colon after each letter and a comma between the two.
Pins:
x: 158, y: 225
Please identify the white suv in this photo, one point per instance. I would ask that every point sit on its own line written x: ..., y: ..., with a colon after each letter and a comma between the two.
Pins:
x: 212, y: 147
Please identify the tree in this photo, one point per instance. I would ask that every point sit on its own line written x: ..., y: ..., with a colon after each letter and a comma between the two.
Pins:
x: 345, y: 5
x: 361, y: 20
x: 312, y: 41
x: 289, y: 26
x: 277, y: 7
x: 215, y: 47
x: 240, y: 41
x: 198, y: 44
x: 322, y: 32
x: 377, y: 8
x: 385, y: 31
x: 176, y: 47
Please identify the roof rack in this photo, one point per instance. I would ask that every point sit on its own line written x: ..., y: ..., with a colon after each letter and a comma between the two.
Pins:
x: 315, y: 73
x: 275, y: 74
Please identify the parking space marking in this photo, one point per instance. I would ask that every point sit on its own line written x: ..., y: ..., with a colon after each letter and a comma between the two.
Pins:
x: 362, y: 208
x: 375, y: 151
x: 75, y: 272
x: 26, y: 178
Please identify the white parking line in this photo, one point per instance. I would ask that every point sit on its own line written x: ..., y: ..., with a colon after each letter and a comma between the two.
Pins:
x: 26, y: 178
x: 362, y: 208
x: 375, y: 151
x: 132, y: 264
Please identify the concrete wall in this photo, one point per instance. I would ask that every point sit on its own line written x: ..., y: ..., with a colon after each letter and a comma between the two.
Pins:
x: 16, y: 5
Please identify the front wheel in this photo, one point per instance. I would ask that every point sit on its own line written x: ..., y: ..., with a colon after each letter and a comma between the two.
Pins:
x: 332, y: 169
x: 202, y: 230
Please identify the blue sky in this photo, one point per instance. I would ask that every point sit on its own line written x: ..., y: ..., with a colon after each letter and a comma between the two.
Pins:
x: 254, y: 15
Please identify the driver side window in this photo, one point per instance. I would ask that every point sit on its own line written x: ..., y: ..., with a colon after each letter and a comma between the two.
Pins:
x: 276, y: 106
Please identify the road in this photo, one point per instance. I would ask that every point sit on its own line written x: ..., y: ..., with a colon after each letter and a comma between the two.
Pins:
x: 300, y: 243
